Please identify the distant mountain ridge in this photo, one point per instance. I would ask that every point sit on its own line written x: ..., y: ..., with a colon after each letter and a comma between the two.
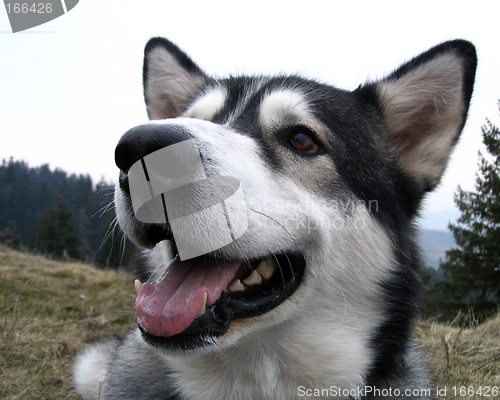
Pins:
x: 434, y: 244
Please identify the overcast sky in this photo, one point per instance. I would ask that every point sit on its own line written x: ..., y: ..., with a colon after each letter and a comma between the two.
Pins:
x: 71, y: 87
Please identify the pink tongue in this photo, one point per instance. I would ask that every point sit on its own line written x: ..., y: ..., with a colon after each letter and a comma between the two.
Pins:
x: 168, y: 306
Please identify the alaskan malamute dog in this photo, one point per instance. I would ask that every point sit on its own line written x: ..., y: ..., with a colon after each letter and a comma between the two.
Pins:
x: 318, y: 297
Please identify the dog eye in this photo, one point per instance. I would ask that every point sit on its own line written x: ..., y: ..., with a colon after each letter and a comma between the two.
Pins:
x: 302, y: 141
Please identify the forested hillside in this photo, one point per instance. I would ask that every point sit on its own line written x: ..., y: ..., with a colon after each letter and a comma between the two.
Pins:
x: 58, y: 214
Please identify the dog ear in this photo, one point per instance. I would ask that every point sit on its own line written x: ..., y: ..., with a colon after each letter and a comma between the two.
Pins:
x: 424, y: 106
x: 170, y: 78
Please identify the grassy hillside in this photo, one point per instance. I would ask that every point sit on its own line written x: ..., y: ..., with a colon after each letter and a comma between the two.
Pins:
x: 49, y: 310
x: 464, y: 357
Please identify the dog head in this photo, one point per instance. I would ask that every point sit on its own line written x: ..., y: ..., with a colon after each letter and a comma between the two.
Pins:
x: 330, y: 182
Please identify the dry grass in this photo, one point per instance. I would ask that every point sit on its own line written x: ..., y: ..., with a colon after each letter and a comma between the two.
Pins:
x: 464, y: 356
x: 49, y: 310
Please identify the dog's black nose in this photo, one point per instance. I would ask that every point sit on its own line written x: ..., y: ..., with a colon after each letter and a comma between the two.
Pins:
x: 144, y: 139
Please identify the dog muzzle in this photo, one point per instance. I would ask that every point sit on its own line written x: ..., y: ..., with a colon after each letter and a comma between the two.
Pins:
x: 171, y: 185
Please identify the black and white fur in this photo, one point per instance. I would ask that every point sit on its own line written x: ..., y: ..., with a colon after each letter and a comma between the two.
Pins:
x: 349, y: 210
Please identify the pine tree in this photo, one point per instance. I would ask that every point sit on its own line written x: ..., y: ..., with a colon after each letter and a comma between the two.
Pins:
x: 472, y: 270
x: 55, y: 234
x: 11, y: 235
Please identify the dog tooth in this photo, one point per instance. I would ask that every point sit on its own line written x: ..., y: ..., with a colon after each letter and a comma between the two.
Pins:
x: 266, y: 268
x: 253, y: 279
x: 237, y: 286
x: 272, y: 265
x: 203, y: 305
x: 137, y: 285
x: 262, y: 269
